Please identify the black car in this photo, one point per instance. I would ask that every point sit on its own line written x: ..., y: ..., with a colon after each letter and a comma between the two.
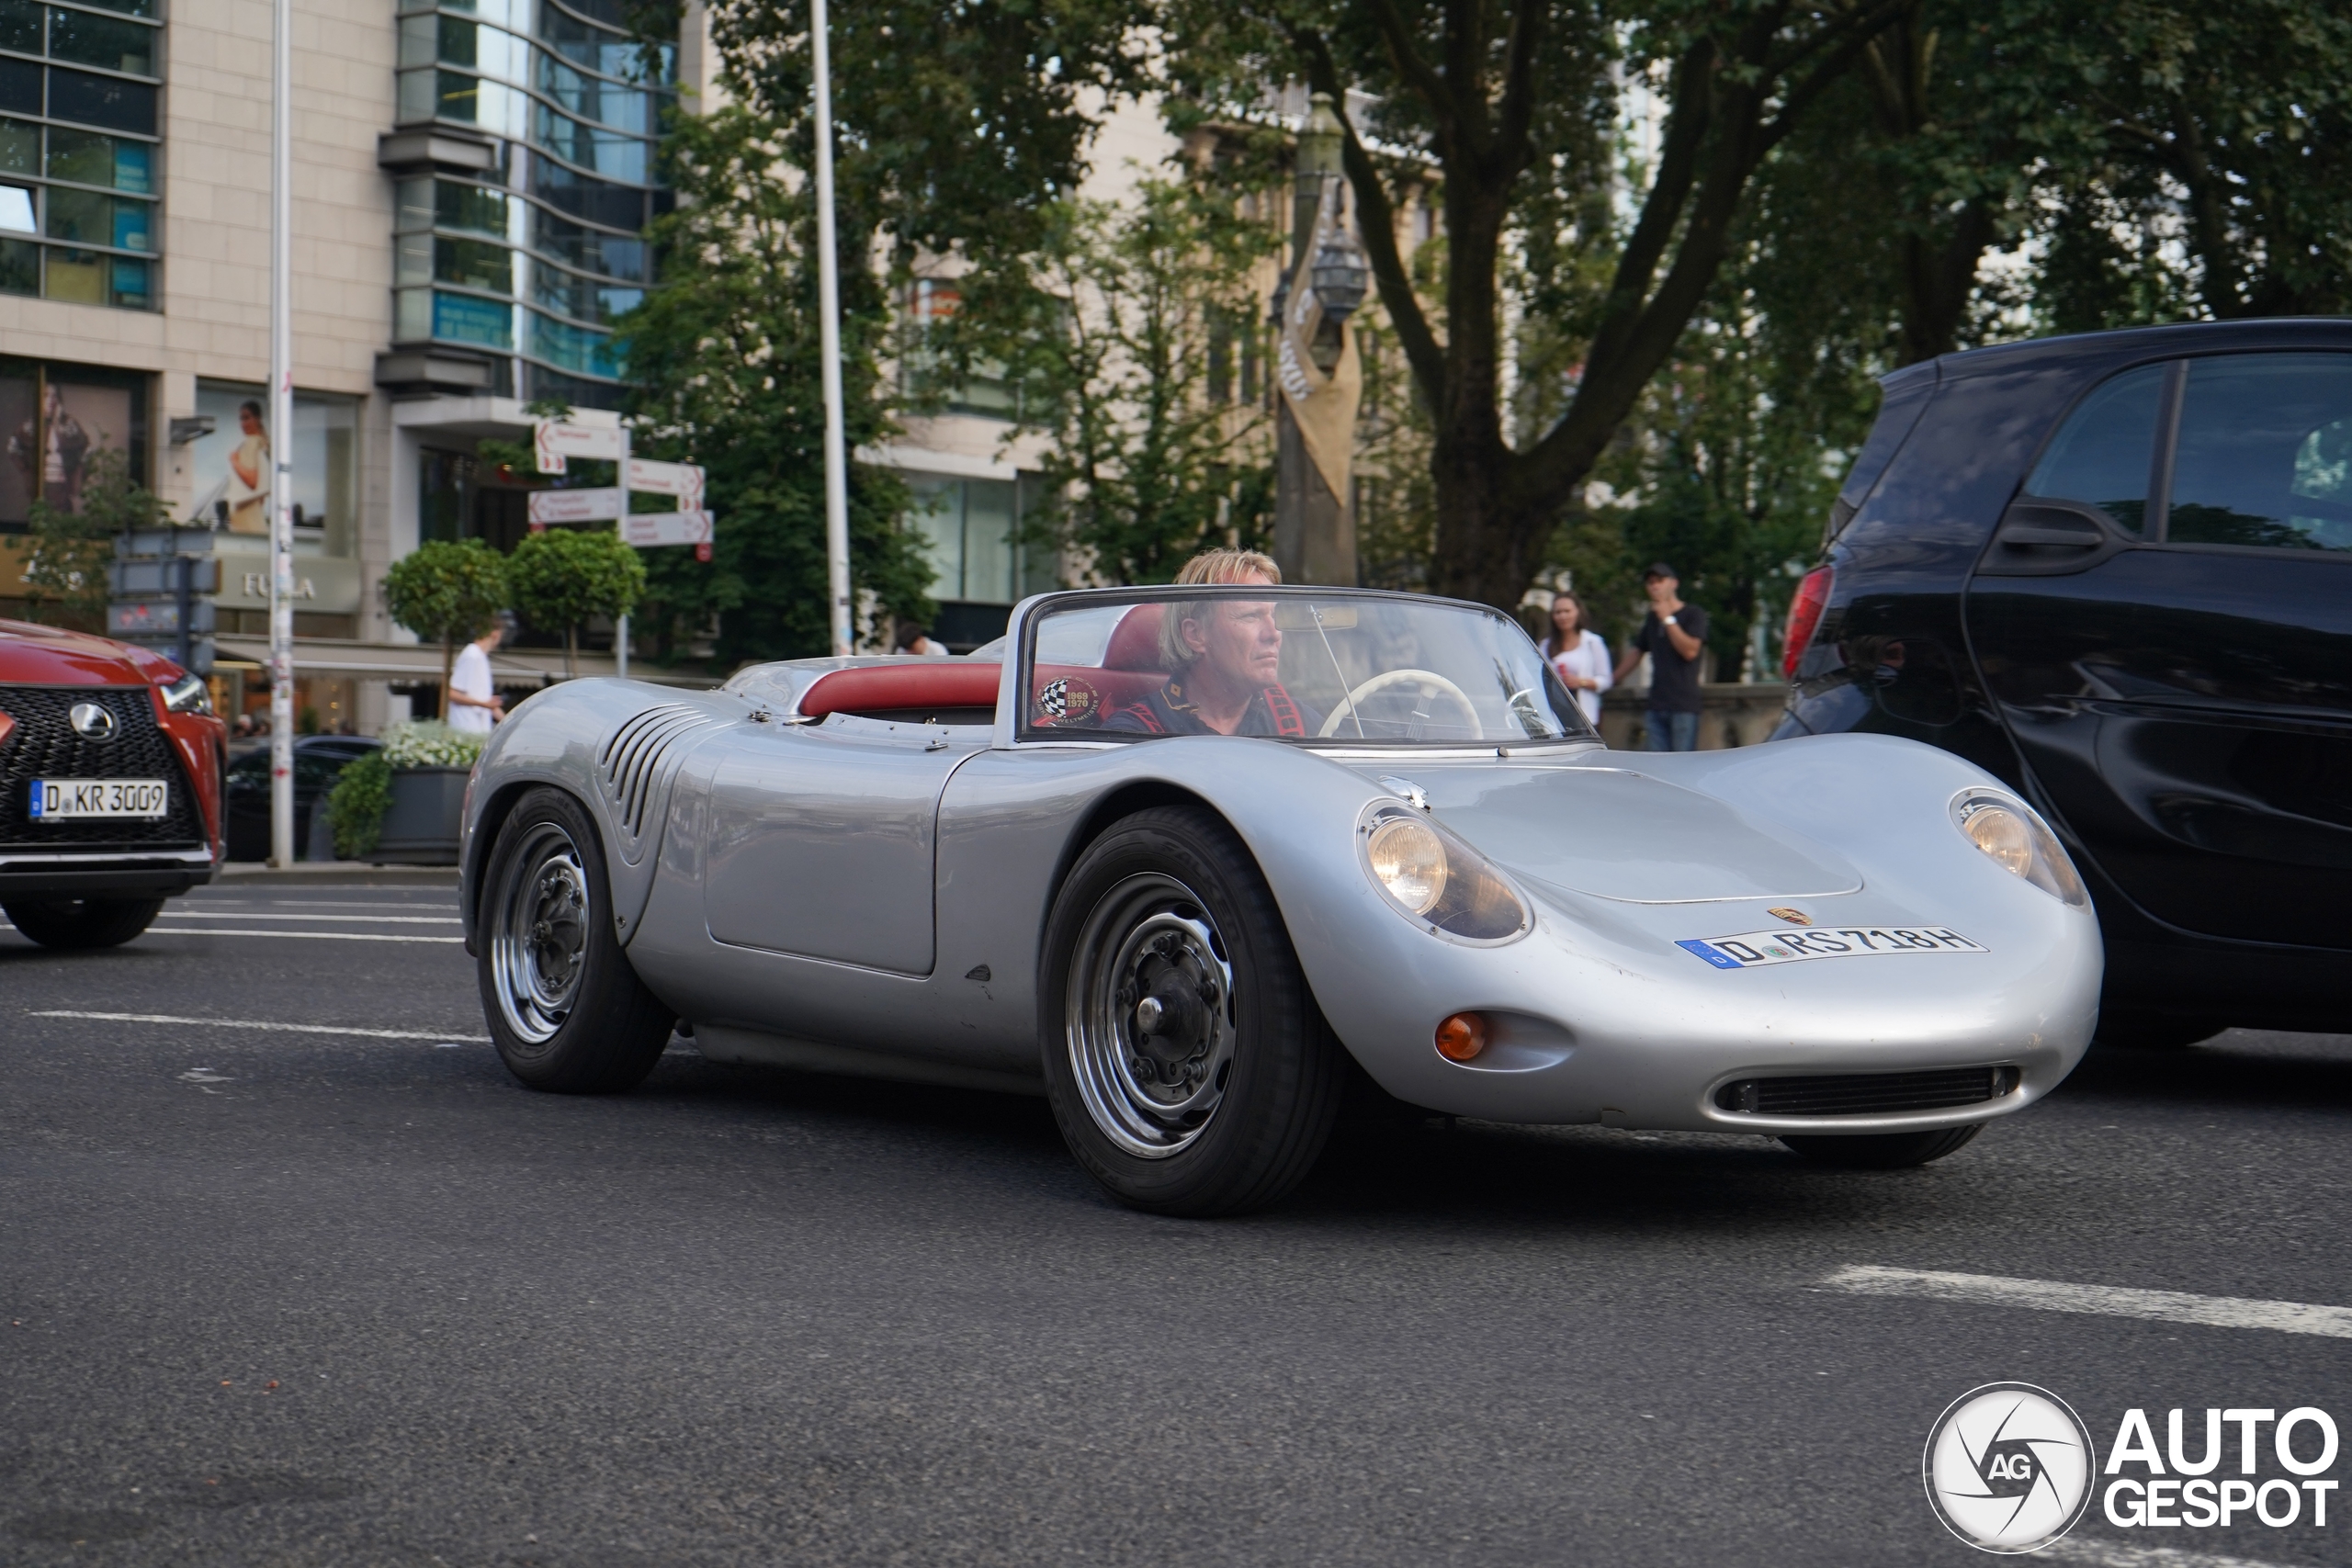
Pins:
x: 2116, y: 570
x: 319, y: 759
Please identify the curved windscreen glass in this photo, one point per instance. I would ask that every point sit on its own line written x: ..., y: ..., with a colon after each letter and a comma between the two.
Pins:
x: 1289, y: 664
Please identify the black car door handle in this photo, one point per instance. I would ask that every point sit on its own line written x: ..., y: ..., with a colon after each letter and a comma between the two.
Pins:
x: 2082, y: 535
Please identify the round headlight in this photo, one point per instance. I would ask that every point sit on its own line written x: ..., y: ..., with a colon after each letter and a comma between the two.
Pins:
x: 1410, y: 860
x: 2001, y: 833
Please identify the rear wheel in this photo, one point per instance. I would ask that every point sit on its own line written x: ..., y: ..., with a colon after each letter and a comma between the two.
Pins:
x: 567, y: 1011
x: 1883, y: 1151
x: 1185, y: 1059
x: 82, y: 922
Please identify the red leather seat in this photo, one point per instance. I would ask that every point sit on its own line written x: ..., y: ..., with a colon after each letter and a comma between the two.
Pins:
x: 1135, y: 642
x: 902, y: 688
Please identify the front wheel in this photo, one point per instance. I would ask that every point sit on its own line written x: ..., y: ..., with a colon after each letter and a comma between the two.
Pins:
x: 567, y: 1011
x: 1185, y: 1059
x: 82, y: 922
x: 1883, y: 1151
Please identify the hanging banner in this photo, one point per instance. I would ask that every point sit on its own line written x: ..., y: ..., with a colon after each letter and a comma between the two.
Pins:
x: 647, y: 529
x: 574, y: 506
x: 1323, y: 405
x: 556, y: 440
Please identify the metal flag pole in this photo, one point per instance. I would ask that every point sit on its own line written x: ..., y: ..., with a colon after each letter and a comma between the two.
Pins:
x: 281, y: 438
x: 828, y: 304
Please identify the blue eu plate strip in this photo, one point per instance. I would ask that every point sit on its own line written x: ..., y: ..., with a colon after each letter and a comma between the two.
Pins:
x: 1719, y: 959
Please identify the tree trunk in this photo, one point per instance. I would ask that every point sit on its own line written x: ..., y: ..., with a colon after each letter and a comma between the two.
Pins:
x: 448, y: 663
x: 572, y: 653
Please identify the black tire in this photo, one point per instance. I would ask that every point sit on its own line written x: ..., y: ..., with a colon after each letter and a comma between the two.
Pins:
x: 2153, y: 1030
x: 1883, y: 1151
x: 82, y: 922
x: 566, y: 1010
x: 1241, y: 1033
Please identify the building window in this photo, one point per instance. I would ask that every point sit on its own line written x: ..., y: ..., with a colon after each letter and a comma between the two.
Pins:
x: 52, y: 419
x: 536, y: 262
x: 970, y: 531
x: 79, y: 152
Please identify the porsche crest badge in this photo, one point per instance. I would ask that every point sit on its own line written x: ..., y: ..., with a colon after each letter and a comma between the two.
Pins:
x: 1795, y: 917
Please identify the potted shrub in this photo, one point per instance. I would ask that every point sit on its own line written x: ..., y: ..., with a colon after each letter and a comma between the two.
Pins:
x: 403, y: 805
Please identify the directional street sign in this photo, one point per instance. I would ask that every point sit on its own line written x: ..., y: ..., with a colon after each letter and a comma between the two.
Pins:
x: 680, y: 480
x: 574, y: 506
x: 649, y: 529
x: 555, y: 441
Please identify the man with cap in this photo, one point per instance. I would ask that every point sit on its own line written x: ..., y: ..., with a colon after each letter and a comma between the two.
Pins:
x: 1674, y: 636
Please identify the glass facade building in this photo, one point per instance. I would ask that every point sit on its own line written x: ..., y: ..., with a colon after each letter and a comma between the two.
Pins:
x: 527, y: 259
x: 81, y: 158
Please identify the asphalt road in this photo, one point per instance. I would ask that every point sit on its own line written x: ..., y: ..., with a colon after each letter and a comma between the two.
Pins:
x: 279, y: 1297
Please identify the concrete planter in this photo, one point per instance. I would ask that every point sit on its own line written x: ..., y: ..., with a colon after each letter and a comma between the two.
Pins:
x: 1733, y: 715
x: 420, y: 826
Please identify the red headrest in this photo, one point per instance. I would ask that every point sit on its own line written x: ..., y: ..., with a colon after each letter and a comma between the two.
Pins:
x: 1135, y: 642
x: 889, y: 687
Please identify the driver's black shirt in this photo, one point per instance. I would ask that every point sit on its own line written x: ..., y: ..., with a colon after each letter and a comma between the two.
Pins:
x: 1273, y: 712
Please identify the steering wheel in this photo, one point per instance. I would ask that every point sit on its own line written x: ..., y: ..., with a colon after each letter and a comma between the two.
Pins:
x: 1388, y: 678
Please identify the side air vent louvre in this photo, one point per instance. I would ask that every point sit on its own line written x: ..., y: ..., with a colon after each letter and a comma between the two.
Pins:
x: 1866, y: 1094
x: 631, y: 761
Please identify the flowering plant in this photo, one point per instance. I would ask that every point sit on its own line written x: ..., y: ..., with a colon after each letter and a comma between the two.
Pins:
x: 429, y: 743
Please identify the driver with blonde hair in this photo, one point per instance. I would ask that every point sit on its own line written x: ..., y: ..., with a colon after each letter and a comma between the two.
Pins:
x: 1223, y: 658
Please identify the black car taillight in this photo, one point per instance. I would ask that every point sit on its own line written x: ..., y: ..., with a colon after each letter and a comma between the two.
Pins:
x: 1804, y: 617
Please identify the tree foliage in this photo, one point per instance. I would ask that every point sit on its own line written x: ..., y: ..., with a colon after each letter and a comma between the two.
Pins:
x: 564, y: 577
x: 65, y: 569
x: 448, y: 592
x: 1131, y: 333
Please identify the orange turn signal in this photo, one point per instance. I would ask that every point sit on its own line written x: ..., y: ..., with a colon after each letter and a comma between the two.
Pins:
x: 1461, y: 1037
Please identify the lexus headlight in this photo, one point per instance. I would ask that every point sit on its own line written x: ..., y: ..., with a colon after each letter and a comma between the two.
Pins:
x: 187, y: 695
x: 1440, y: 882
x: 2019, y: 842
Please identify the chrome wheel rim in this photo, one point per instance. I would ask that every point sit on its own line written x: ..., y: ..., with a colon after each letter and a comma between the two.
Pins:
x: 1151, y: 1012
x: 540, y: 941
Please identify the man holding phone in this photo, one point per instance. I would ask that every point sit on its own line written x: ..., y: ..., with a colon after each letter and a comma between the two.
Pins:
x: 1674, y: 636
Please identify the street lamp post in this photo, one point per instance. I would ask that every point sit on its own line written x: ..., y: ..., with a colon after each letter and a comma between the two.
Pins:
x: 829, y: 305
x: 281, y: 437
x: 1315, y: 531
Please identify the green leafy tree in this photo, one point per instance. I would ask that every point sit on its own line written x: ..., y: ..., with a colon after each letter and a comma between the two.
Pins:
x: 1514, y: 107
x: 565, y: 575
x: 1126, y: 331
x: 65, y: 569
x: 723, y: 360
x: 447, y: 591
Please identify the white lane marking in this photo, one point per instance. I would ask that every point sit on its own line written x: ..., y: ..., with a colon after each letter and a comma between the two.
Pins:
x: 2110, y: 1300
x: 347, y: 919
x: 2114, y: 1554
x: 436, y: 1035
x: 306, y: 936
x: 199, y: 897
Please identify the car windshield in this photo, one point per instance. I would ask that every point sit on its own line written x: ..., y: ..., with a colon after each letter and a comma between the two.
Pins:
x: 1289, y: 664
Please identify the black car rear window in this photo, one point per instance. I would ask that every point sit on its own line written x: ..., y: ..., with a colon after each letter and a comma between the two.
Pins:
x: 1904, y: 397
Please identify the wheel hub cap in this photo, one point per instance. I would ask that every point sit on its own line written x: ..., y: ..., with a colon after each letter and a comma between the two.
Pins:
x: 540, y: 935
x: 1150, y: 1011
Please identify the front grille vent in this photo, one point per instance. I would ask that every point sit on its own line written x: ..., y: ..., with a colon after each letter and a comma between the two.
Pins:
x: 42, y: 745
x: 1866, y: 1094
x: 632, y: 758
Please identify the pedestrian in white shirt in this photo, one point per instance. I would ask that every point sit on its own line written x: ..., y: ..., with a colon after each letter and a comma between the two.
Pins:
x: 1580, y: 657
x: 474, y: 704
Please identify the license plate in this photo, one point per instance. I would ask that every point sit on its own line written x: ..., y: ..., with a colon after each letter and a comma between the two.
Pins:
x: 1752, y: 950
x: 65, y: 800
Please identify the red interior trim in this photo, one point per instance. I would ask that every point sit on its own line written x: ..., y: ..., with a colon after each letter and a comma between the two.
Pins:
x: 889, y: 687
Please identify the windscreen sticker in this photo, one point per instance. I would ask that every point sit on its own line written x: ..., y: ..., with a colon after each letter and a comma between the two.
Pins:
x: 1751, y: 950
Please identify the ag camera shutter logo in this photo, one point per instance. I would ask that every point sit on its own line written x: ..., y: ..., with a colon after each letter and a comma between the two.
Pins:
x: 2008, y: 1467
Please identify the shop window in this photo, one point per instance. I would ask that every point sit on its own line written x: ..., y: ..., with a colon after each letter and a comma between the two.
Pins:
x: 231, y: 467
x: 53, y: 418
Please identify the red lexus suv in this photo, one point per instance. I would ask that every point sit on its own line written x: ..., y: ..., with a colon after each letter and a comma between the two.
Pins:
x: 110, y: 766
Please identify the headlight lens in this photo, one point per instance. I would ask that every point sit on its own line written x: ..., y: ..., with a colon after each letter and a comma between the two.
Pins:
x: 1437, y: 879
x: 1410, y: 862
x: 2019, y: 842
x: 187, y: 695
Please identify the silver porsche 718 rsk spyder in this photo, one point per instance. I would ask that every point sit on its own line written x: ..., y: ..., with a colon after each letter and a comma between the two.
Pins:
x: 1176, y: 857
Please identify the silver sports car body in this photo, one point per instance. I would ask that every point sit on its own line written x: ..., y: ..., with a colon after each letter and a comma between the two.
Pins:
x: 1179, y: 856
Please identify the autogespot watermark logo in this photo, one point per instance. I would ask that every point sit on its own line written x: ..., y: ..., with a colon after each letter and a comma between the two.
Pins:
x: 2009, y: 1467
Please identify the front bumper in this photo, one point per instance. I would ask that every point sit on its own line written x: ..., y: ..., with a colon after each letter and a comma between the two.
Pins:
x: 30, y: 874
